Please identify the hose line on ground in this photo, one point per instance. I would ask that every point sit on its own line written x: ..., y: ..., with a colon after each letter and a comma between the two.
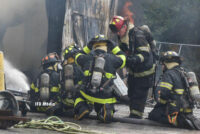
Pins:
x: 56, y: 124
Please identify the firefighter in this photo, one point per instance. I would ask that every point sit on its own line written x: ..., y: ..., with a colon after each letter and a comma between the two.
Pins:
x: 99, y: 68
x: 44, y: 92
x: 72, y: 75
x: 173, y: 95
x: 111, y: 48
x: 134, y: 42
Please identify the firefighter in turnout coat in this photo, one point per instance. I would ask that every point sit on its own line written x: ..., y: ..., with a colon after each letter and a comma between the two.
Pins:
x: 99, y: 67
x: 137, y: 46
x: 175, y: 95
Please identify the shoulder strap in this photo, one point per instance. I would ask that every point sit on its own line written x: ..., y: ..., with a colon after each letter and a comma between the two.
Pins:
x: 131, y: 35
x: 183, y: 75
x: 184, y: 78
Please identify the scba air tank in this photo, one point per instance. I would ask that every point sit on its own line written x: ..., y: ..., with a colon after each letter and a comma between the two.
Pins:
x: 68, y: 73
x: 98, y: 71
x: 194, y: 87
x: 44, y: 86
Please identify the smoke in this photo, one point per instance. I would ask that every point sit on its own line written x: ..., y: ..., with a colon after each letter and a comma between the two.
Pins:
x: 14, y: 78
x: 12, y: 9
x: 23, y: 33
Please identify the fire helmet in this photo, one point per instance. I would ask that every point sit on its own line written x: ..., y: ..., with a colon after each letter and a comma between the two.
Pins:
x: 98, y: 38
x: 170, y: 56
x: 116, y: 23
x: 50, y: 59
x: 71, y: 50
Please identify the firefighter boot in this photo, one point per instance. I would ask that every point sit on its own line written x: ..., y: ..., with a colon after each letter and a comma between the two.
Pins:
x: 106, y: 112
x: 81, y: 111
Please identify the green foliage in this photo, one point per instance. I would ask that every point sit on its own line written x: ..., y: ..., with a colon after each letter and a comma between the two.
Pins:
x: 174, y: 20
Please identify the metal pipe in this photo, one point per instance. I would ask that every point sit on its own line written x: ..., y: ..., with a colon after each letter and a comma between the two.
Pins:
x: 2, y: 79
x: 134, y: 121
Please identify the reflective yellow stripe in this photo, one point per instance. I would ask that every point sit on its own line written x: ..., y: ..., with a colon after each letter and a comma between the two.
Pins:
x: 141, y: 57
x: 71, y: 47
x: 55, y: 89
x: 179, y: 91
x: 173, y: 104
x: 144, y: 48
x: 109, y: 75
x: 66, y: 51
x: 98, y: 100
x: 166, y: 85
x: 162, y: 101
x: 34, y: 88
x: 194, y: 88
x: 145, y: 73
x: 80, y: 82
x: 116, y: 50
x: 136, y: 112
x: 76, y: 57
x: 186, y: 110
x: 68, y: 102
x: 78, y: 100
x: 105, y: 112
x: 86, y: 50
x: 123, y: 57
x: 42, y: 109
x: 87, y: 73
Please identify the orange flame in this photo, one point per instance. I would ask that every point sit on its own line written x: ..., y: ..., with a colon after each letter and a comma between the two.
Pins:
x: 126, y: 13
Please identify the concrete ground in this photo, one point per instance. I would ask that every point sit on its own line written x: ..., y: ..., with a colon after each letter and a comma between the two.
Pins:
x: 112, y: 128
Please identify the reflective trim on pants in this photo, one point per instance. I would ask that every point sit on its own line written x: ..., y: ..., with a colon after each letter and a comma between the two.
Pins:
x: 135, y: 112
x: 78, y: 100
x: 145, y: 73
x: 98, y: 100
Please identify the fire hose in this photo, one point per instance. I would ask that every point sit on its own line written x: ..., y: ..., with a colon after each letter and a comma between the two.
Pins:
x: 56, y: 124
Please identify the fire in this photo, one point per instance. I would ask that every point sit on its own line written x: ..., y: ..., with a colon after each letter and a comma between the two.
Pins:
x: 126, y: 13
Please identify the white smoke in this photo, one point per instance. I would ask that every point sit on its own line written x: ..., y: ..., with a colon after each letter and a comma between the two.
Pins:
x: 10, y: 9
x: 23, y: 33
x: 14, y: 78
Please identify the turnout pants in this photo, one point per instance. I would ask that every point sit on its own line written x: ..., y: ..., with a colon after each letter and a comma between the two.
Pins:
x: 138, y: 91
x: 184, y: 120
x: 103, y: 107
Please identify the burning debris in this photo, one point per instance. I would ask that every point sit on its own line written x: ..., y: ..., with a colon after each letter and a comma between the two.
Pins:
x: 126, y: 12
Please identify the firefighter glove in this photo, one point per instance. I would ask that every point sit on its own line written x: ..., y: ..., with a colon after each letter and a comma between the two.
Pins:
x: 123, y: 47
x: 111, y: 44
x: 131, y: 61
x: 90, y: 45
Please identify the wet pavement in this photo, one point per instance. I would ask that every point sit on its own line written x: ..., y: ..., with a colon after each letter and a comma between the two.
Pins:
x: 111, y: 128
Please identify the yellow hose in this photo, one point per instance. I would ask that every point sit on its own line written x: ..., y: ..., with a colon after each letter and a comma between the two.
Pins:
x: 2, y: 80
x: 56, y: 124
